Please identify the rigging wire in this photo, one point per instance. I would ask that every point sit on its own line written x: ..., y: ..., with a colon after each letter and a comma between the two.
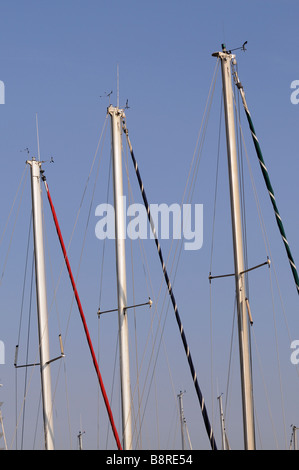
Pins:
x: 150, y: 336
x: 233, y: 328
x: 267, y: 242
x: 187, y: 350
x: 242, y: 185
x: 16, y: 218
x: 139, y: 441
x: 269, y: 254
x: 243, y: 211
x: 266, y: 239
x: 83, y: 320
x: 82, y: 199
x: 278, y: 362
x: 75, y: 224
x: 198, y: 151
x: 153, y: 338
x: 100, y: 294
x: 80, y: 208
x: 268, y: 184
x: 112, y: 387
x: 21, y: 316
x: 36, y: 424
x: 243, y: 216
x: 143, y: 256
x: 27, y: 352
x: 211, y: 256
x: 154, y: 341
x: 63, y: 363
x: 12, y: 206
x: 26, y: 381
x: 22, y: 412
x: 138, y: 373
x: 104, y: 241
x: 265, y: 388
x: 170, y: 289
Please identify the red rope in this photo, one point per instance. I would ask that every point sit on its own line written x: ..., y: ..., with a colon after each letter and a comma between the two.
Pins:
x: 83, y: 320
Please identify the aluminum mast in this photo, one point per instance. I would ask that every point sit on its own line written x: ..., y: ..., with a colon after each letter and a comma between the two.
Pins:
x: 42, y: 309
x: 116, y: 116
x: 180, y: 397
x: 225, y: 445
x: 245, y: 366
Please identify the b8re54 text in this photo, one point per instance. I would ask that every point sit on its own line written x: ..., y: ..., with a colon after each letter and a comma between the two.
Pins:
x: 171, y: 459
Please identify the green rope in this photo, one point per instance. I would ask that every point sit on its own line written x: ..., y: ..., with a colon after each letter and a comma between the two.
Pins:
x: 268, y: 184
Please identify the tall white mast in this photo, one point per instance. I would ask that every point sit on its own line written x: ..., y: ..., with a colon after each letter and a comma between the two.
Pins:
x: 42, y: 310
x: 222, y: 425
x: 246, y: 379
x: 294, y: 437
x: 180, y: 396
x: 116, y: 116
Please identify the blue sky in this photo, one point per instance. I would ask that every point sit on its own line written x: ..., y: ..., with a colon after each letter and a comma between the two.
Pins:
x: 58, y: 60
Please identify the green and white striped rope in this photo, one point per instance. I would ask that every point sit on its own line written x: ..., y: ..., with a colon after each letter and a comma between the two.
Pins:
x: 268, y: 183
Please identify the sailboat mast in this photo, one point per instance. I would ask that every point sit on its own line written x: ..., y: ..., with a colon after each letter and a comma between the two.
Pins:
x: 223, y: 437
x: 180, y: 396
x: 116, y: 116
x: 245, y: 366
x: 42, y: 310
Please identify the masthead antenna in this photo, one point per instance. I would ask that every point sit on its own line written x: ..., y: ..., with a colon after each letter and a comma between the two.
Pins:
x: 117, y: 85
x: 37, y: 136
x: 242, y: 48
